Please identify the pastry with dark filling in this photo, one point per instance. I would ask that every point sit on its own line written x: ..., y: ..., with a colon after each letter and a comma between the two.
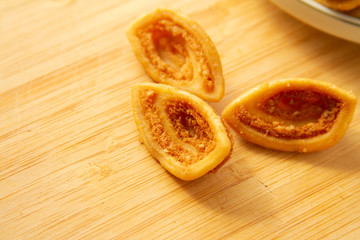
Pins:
x: 301, y: 115
x: 175, y: 50
x: 180, y: 130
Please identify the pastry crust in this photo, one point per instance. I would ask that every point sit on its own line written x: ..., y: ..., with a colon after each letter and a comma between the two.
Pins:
x: 175, y: 50
x: 340, y: 5
x: 354, y: 12
x: 180, y: 130
x: 301, y: 115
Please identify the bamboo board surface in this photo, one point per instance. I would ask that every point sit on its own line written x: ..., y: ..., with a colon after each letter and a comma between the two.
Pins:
x: 71, y: 165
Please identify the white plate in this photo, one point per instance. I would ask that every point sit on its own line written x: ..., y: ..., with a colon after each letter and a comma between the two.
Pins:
x: 322, y: 18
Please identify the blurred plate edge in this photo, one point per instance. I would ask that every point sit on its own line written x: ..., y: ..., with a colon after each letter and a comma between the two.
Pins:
x: 322, y: 18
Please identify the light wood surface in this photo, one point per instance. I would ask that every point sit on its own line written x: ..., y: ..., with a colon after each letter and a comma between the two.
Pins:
x: 71, y: 165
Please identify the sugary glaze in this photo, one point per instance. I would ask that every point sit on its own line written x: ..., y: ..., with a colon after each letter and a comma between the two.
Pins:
x: 180, y: 130
x: 298, y: 114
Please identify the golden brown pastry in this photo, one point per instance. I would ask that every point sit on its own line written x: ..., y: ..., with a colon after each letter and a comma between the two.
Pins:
x: 300, y: 115
x: 180, y: 130
x: 354, y: 12
x: 175, y: 50
x: 341, y: 5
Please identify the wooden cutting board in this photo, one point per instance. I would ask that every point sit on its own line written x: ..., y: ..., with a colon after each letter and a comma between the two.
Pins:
x: 71, y: 165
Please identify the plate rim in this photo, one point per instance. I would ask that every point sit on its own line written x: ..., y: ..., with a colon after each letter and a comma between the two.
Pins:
x: 331, y: 12
x: 323, y: 21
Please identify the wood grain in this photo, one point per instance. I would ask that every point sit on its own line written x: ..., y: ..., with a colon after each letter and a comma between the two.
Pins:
x: 71, y: 165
